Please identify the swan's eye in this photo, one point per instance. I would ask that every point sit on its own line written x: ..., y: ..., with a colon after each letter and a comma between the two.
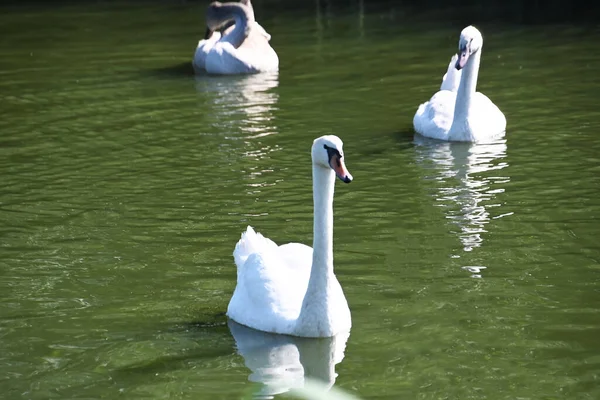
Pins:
x: 333, y: 152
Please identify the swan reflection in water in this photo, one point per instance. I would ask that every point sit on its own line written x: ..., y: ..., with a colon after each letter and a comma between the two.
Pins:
x: 242, y: 101
x: 281, y: 363
x: 240, y: 108
x: 474, y: 193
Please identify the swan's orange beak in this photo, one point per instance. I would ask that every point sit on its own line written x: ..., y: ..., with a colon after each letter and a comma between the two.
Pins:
x: 337, y: 164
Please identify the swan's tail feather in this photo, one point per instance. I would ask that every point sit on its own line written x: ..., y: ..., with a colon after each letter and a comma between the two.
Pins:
x: 250, y: 242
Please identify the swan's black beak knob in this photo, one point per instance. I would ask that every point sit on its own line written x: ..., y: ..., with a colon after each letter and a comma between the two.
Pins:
x: 463, y: 57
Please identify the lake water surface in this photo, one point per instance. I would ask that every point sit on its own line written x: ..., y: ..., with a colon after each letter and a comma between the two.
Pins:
x: 471, y: 270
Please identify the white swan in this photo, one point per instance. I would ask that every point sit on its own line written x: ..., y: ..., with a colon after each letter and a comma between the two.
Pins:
x: 461, y: 114
x: 242, y: 48
x: 291, y: 289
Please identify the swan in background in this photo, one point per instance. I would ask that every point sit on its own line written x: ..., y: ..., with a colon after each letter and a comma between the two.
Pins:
x: 292, y: 289
x: 282, y: 362
x: 464, y: 114
x: 241, y: 48
x: 469, y: 180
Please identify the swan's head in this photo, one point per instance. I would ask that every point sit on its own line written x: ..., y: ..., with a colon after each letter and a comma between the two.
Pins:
x: 470, y: 42
x: 328, y: 152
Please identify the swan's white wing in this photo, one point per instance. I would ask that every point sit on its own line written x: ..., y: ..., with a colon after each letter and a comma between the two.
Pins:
x: 252, y: 56
x: 271, y: 283
x: 434, y: 118
x: 223, y: 58
x: 257, y: 29
x: 297, y: 256
x: 451, y: 79
x: 204, y: 46
x: 486, y: 120
x: 251, y: 242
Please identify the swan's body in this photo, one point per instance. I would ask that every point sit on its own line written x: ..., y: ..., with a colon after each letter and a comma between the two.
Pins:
x: 291, y: 289
x: 241, y: 48
x: 204, y: 46
x: 458, y: 112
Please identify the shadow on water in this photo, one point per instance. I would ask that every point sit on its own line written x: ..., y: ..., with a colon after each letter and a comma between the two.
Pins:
x: 214, y: 325
x: 277, y: 363
x: 183, y: 69
x: 405, y: 137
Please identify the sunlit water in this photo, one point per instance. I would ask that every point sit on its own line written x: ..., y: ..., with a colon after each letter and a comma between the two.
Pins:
x: 471, y: 270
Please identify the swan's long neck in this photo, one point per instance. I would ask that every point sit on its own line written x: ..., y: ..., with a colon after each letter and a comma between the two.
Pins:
x: 243, y: 17
x: 323, y: 186
x: 314, y: 313
x: 464, y: 97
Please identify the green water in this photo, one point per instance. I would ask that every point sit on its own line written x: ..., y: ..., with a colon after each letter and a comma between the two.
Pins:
x: 126, y: 181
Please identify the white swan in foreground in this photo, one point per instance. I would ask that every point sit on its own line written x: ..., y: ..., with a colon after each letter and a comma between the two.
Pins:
x: 242, y: 48
x: 291, y: 289
x: 461, y: 113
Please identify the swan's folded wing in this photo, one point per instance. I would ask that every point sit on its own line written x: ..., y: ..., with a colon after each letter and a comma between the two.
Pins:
x: 277, y: 277
x: 441, y: 107
x: 258, y: 29
x: 204, y: 46
x: 268, y: 295
x: 251, y: 242
x: 488, y: 121
x: 257, y: 298
x: 434, y: 118
x: 298, y: 257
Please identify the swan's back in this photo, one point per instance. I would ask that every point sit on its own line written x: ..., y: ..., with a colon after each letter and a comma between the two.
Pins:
x: 488, y: 122
x: 434, y: 117
x: 254, y: 55
x: 251, y: 242
x: 271, y: 283
x: 204, y: 46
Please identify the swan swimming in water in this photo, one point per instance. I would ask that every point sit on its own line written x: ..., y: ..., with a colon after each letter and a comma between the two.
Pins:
x: 234, y: 42
x: 458, y: 112
x: 292, y: 289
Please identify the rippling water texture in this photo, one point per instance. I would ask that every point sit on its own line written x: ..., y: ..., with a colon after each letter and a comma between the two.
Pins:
x: 471, y: 270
